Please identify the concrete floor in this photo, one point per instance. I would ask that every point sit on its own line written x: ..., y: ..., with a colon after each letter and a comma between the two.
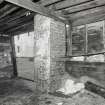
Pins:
x: 21, y: 92
x: 16, y: 92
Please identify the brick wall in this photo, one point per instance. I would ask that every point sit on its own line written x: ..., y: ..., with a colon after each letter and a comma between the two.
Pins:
x: 57, y: 39
x: 42, y: 52
x: 50, y: 46
x: 57, y: 50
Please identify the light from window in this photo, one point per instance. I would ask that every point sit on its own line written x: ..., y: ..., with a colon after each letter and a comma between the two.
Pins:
x: 96, y: 58
x: 95, y: 37
x: 80, y: 58
x: 78, y: 40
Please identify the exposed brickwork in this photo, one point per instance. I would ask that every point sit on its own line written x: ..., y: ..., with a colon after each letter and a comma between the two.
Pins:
x: 57, y: 50
x: 42, y: 51
x: 57, y: 39
x: 57, y: 71
x: 50, y: 45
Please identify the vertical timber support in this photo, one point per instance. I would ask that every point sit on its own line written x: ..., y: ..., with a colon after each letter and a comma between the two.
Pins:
x: 86, y: 43
x: 68, y: 29
x: 13, y: 56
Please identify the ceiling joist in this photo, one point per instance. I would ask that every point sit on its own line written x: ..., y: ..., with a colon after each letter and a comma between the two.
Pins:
x: 82, y: 14
x: 50, y: 2
x: 27, y: 4
x: 13, y: 17
x: 13, y: 13
x: 70, y: 3
x: 90, y: 18
x: 86, y: 6
x: 8, y: 12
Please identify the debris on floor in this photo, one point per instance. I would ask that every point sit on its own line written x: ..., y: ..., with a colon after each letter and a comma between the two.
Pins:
x: 18, y: 92
x: 70, y: 87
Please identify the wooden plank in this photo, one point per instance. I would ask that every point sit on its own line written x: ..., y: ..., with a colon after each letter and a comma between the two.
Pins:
x: 86, y: 43
x: 70, y: 3
x: 88, y: 13
x: 49, y: 2
x: 37, y: 8
x: 5, y: 7
x: 85, y: 6
x: 82, y: 10
x: 12, y: 17
x: 66, y: 41
x: 18, y: 26
x: 8, y: 12
x: 13, y: 54
x: 89, y: 19
x: 86, y: 54
x: 82, y: 14
x: 69, y: 39
x: 21, y: 29
x: 18, y: 22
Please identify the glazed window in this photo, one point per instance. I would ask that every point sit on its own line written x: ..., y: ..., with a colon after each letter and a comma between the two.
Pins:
x: 78, y: 40
x: 95, y: 37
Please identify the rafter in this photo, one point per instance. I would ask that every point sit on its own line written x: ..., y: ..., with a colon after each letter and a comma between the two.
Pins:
x: 70, y: 3
x: 38, y: 9
x: 82, y: 14
x: 12, y: 17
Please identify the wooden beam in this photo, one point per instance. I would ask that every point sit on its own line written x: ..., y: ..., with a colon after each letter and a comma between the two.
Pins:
x: 13, y: 54
x: 86, y: 42
x: 19, y: 26
x: 82, y: 14
x: 18, y: 22
x: 89, y: 19
x: 70, y: 3
x: 91, y: 54
x: 12, y: 17
x: 85, y: 6
x: 38, y: 9
x: 22, y: 30
x: 8, y: 11
x: 66, y: 41
x: 49, y: 2
x: 4, y: 8
x: 83, y: 9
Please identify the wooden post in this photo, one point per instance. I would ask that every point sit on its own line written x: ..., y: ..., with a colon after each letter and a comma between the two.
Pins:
x: 86, y: 42
x: 34, y: 52
x: 13, y: 56
x: 69, y: 40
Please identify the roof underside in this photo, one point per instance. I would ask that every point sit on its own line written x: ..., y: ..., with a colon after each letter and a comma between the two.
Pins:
x: 15, y: 19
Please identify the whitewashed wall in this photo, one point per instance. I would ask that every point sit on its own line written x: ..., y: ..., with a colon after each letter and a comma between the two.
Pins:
x: 26, y: 43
